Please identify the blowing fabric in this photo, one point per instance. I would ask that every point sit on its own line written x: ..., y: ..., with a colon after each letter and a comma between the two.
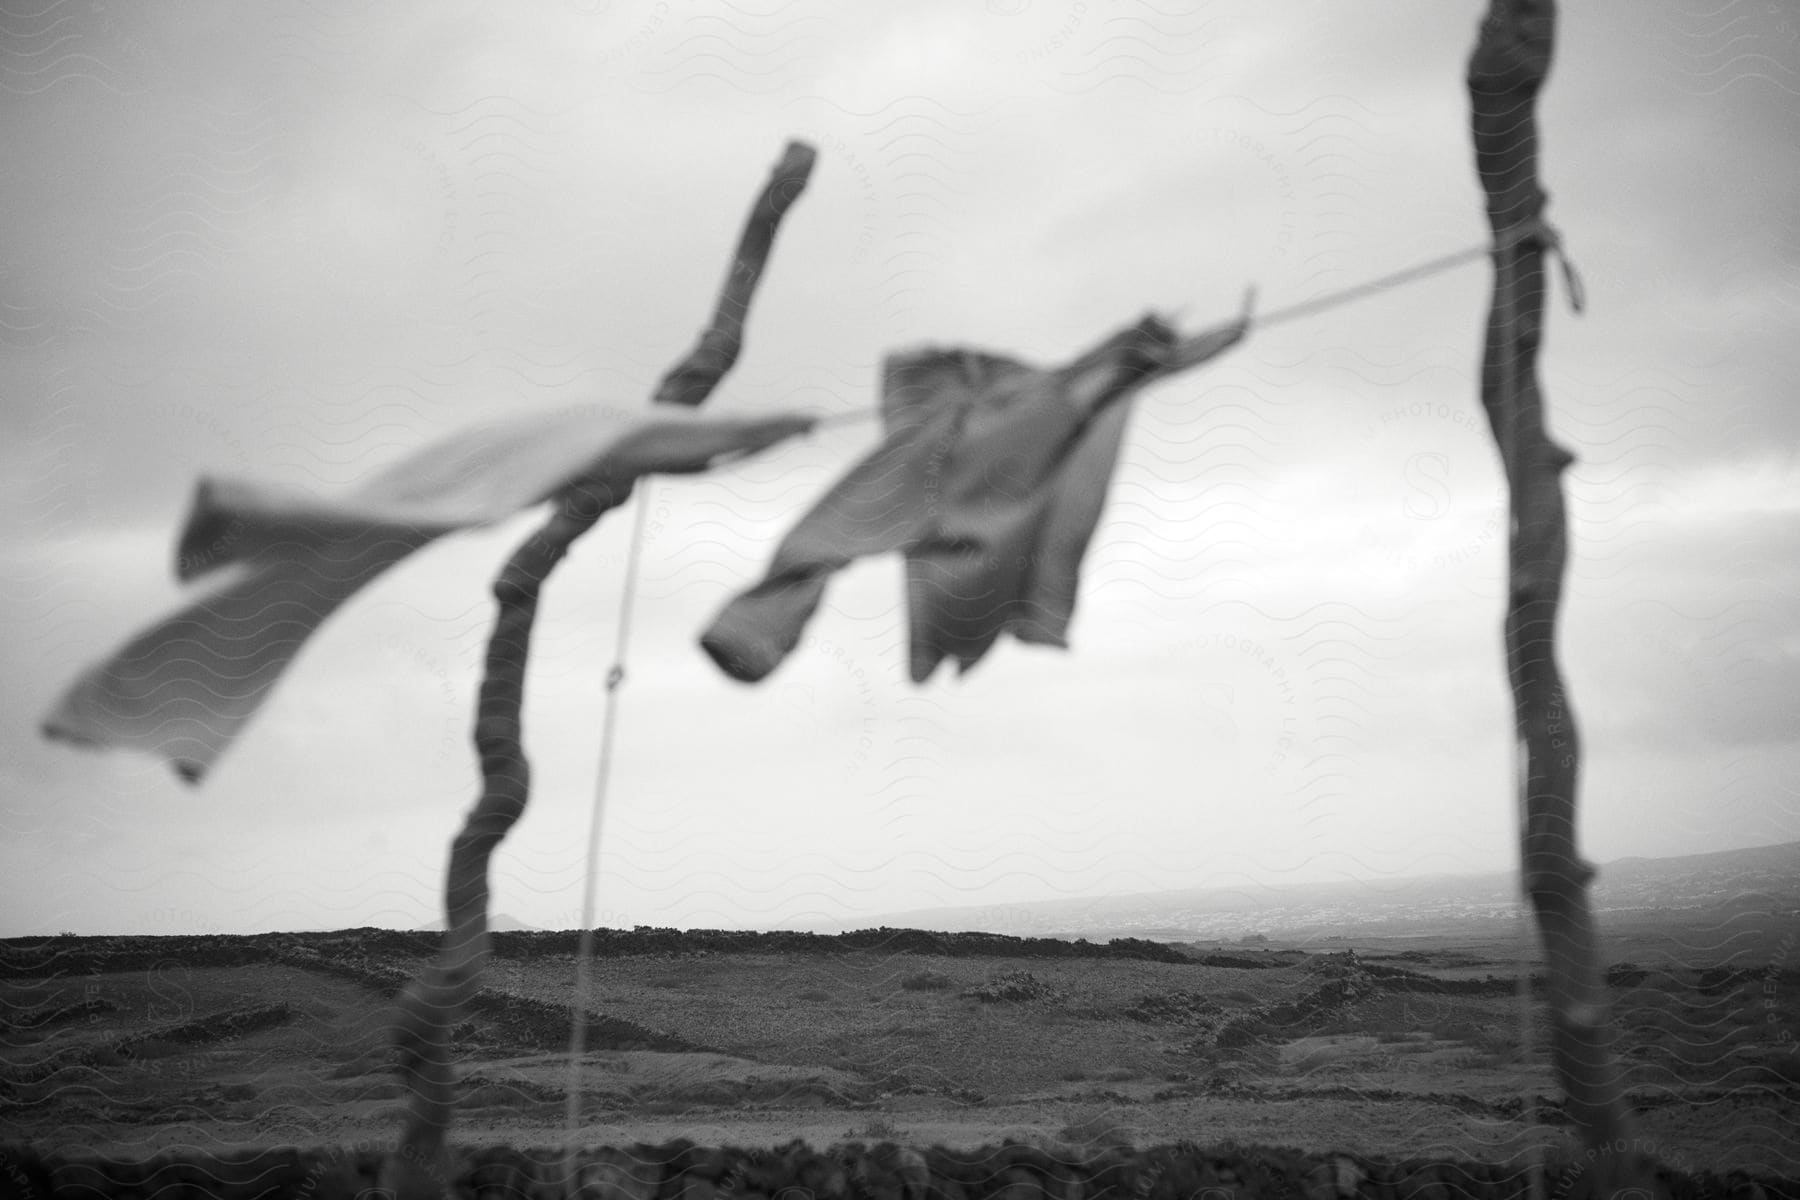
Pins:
x: 185, y: 687
x: 990, y: 479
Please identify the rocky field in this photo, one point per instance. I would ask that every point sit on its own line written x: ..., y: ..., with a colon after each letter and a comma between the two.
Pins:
x: 125, y: 1047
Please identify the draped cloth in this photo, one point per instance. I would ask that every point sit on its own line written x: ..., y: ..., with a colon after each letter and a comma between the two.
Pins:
x: 990, y: 479
x: 185, y: 687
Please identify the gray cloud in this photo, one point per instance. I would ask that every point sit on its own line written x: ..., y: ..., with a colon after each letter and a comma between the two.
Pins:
x: 294, y: 242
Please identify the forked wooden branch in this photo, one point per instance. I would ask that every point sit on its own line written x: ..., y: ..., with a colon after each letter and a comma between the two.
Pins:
x: 691, y: 381
x: 431, y: 1004
x: 1511, y: 59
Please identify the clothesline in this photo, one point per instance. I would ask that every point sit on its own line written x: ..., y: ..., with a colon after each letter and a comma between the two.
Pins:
x: 1344, y: 296
x: 1355, y: 292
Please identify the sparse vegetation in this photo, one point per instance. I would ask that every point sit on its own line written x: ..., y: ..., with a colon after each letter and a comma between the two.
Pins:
x: 875, y: 1129
x: 1181, y: 1008
x: 1014, y: 987
x: 927, y: 981
x: 1094, y: 1129
x: 1340, y: 1044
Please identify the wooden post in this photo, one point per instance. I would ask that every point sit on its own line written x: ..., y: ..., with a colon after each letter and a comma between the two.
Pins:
x: 431, y: 1004
x: 690, y: 381
x: 1511, y: 59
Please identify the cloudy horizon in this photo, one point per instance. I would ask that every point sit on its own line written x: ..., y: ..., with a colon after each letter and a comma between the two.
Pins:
x: 293, y: 243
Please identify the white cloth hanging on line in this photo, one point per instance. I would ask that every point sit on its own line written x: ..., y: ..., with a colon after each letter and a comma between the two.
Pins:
x: 185, y: 687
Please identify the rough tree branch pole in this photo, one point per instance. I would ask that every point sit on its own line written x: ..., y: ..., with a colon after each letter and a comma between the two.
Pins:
x: 1511, y: 59
x: 431, y: 1004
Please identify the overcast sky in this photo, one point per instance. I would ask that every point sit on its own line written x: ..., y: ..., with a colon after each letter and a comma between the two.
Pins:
x: 292, y: 241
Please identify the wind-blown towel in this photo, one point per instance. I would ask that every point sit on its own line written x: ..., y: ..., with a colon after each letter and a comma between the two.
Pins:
x: 185, y: 687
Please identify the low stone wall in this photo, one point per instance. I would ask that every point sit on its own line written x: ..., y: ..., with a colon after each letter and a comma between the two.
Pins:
x: 681, y: 1170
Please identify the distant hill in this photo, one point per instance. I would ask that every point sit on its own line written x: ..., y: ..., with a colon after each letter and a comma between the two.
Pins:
x: 1764, y: 877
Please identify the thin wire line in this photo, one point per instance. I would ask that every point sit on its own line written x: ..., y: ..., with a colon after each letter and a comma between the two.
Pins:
x: 845, y: 418
x: 1294, y: 312
x: 615, y: 676
x: 1330, y: 300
